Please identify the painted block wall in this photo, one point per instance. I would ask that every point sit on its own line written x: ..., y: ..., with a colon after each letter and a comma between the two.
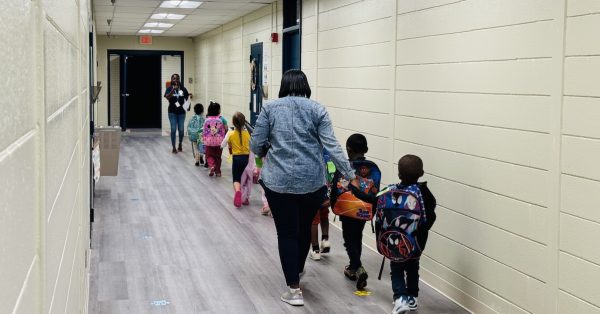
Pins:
x: 132, y: 43
x: 579, y: 258
x: 223, y: 69
x: 499, y: 98
x: 44, y: 157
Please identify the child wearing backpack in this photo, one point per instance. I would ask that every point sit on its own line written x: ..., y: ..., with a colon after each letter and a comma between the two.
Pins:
x: 213, y: 133
x: 195, y: 127
x: 405, y: 213
x: 354, y: 205
x: 322, y: 217
x: 238, y: 141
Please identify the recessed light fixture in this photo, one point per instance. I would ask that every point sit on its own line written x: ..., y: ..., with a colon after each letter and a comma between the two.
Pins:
x: 167, y: 16
x: 159, y: 25
x: 176, y: 4
x: 150, y: 31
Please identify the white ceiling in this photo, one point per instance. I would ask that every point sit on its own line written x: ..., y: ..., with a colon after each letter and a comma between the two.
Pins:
x: 131, y: 15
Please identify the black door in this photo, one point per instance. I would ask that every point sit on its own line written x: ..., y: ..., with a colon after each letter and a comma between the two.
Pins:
x: 140, y: 91
x: 256, y: 51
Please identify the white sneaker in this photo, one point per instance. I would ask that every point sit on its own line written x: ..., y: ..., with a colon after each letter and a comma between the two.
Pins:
x: 314, y: 255
x: 325, y: 246
x: 293, y: 297
x: 400, y: 306
x: 412, y: 303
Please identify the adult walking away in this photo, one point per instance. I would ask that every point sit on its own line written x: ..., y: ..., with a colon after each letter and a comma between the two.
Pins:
x: 176, y: 95
x: 292, y: 132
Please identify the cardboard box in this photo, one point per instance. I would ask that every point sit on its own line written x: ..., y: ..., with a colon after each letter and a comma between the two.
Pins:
x: 110, y: 146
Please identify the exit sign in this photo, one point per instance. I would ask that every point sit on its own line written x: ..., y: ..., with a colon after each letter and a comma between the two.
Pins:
x: 146, y: 40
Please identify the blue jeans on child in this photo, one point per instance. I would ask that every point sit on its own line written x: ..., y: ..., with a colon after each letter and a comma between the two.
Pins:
x: 410, y: 286
x: 177, y: 121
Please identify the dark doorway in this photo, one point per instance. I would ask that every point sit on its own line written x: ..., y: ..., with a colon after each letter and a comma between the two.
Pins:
x: 142, y: 89
x: 135, y: 87
x: 256, y: 95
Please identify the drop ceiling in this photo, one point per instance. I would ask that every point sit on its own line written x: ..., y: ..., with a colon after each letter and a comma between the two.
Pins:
x: 128, y: 17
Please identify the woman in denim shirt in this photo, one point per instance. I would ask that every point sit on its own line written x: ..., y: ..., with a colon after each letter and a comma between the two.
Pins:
x: 292, y: 132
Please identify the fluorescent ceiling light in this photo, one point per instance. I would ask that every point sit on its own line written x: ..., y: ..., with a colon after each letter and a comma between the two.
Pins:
x: 150, y: 31
x: 159, y: 25
x: 167, y: 16
x: 176, y: 4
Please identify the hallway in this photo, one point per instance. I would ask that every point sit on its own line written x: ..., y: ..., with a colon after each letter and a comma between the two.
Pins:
x: 167, y: 239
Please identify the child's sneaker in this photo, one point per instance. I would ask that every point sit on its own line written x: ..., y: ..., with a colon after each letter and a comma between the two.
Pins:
x: 201, y: 160
x: 325, y: 246
x: 361, y: 278
x: 212, y: 172
x: 293, y: 297
x: 412, y: 303
x: 350, y: 274
x: 237, y: 199
x: 400, y: 305
x: 197, y: 164
x: 206, y: 165
x: 314, y: 255
x: 265, y: 211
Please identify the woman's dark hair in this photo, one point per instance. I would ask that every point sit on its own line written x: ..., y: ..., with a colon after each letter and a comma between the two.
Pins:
x: 357, y: 143
x: 198, y: 109
x: 214, y: 109
x: 175, y: 74
x: 239, y: 120
x: 294, y: 83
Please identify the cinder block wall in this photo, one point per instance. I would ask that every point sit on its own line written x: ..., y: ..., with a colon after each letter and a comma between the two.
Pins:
x: 222, y: 59
x: 44, y: 156
x: 499, y: 98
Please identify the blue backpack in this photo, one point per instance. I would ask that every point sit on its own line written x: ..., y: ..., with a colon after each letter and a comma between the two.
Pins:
x: 400, y: 212
x: 195, y: 128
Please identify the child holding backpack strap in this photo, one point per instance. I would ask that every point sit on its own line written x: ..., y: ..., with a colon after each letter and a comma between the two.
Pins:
x: 405, y: 213
x: 213, y: 133
x: 195, y: 127
x: 355, y: 205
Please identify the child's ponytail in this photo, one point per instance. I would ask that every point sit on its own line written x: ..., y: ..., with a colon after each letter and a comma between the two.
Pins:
x: 239, y: 121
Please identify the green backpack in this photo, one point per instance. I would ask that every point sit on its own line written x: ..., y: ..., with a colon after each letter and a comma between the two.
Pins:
x: 195, y: 127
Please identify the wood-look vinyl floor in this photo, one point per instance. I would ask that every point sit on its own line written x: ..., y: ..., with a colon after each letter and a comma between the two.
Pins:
x: 167, y: 239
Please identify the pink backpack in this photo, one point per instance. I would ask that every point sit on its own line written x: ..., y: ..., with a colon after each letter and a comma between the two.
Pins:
x: 214, y: 131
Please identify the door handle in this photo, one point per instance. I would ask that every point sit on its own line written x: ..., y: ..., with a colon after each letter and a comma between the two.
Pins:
x: 125, y: 95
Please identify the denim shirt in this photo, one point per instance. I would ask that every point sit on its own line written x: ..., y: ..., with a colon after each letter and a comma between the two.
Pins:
x: 292, y: 132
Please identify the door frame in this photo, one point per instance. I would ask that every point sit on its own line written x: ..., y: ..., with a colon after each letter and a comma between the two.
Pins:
x: 129, y: 52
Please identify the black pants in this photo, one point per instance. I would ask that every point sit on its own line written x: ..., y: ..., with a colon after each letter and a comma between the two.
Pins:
x: 293, y: 215
x: 240, y: 162
x: 408, y: 286
x: 352, y: 231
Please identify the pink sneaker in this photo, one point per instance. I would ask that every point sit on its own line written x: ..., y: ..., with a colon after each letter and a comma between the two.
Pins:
x: 237, y: 199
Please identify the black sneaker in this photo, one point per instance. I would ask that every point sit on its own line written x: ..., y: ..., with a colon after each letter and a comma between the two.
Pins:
x: 361, y: 278
x: 350, y: 274
x: 197, y: 164
x: 201, y: 160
